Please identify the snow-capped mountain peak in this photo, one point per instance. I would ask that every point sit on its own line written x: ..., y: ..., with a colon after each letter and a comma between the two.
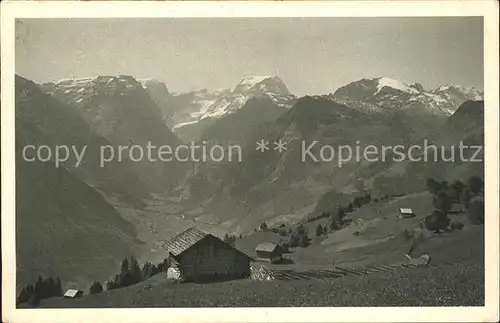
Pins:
x: 471, y: 93
x: 151, y: 82
x: 251, y: 86
x: 386, y: 94
x: 76, y: 81
x: 81, y: 90
x: 91, y: 80
x: 446, y: 87
x: 261, y: 85
x: 252, y: 80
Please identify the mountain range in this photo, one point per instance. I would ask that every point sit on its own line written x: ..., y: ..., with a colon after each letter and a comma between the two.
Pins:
x: 191, y: 115
x: 273, y: 187
x: 64, y: 224
x: 194, y: 112
x: 384, y: 94
x: 121, y: 111
x: 276, y: 187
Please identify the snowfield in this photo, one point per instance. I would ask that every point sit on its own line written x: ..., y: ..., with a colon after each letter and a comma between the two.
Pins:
x: 395, y: 84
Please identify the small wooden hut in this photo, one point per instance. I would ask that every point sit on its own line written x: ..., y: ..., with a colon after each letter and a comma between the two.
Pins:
x: 406, y: 213
x: 197, y: 255
x: 269, y: 252
x: 73, y: 293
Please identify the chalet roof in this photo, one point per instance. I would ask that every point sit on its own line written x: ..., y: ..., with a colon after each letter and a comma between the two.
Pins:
x: 406, y: 211
x: 72, y: 292
x: 185, y: 240
x: 266, y: 246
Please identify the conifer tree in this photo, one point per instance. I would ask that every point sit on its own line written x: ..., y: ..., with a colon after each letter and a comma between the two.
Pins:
x: 135, y: 271
x: 58, y: 290
x: 96, y: 288
x: 319, y: 230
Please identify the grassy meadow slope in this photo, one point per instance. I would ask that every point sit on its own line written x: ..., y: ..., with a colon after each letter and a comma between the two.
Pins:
x: 456, y: 278
x: 373, y: 234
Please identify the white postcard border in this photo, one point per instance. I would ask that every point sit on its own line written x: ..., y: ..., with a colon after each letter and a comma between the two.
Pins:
x: 127, y: 9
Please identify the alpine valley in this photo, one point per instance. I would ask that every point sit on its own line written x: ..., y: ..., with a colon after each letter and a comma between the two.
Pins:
x: 79, y: 214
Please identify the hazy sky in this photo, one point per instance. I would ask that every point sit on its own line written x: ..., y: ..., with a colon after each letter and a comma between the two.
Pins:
x: 311, y: 55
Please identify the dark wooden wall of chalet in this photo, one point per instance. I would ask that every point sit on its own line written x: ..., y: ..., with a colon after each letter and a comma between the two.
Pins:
x: 263, y: 254
x: 211, y: 256
x: 268, y: 255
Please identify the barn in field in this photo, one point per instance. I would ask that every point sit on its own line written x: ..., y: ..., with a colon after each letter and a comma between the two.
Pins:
x: 197, y: 255
x: 406, y: 213
x: 269, y: 252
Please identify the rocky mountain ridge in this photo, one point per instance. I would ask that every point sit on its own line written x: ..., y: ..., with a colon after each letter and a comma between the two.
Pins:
x: 385, y: 94
x: 193, y: 112
x: 120, y: 110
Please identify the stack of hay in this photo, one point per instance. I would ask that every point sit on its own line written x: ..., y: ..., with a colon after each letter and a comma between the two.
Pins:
x: 261, y: 273
x: 174, y: 273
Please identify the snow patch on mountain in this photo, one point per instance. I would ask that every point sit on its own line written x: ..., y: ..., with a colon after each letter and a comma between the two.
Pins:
x: 395, y: 84
x: 69, y: 82
x: 435, y: 97
x: 182, y: 124
x: 249, y: 87
x: 79, y: 83
x: 150, y: 82
x: 80, y: 90
x: 470, y: 92
x: 252, y: 80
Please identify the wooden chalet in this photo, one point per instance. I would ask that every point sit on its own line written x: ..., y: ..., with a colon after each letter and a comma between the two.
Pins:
x: 73, y: 293
x: 406, y: 213
x: 197, y: 255
x: 269, y: 252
